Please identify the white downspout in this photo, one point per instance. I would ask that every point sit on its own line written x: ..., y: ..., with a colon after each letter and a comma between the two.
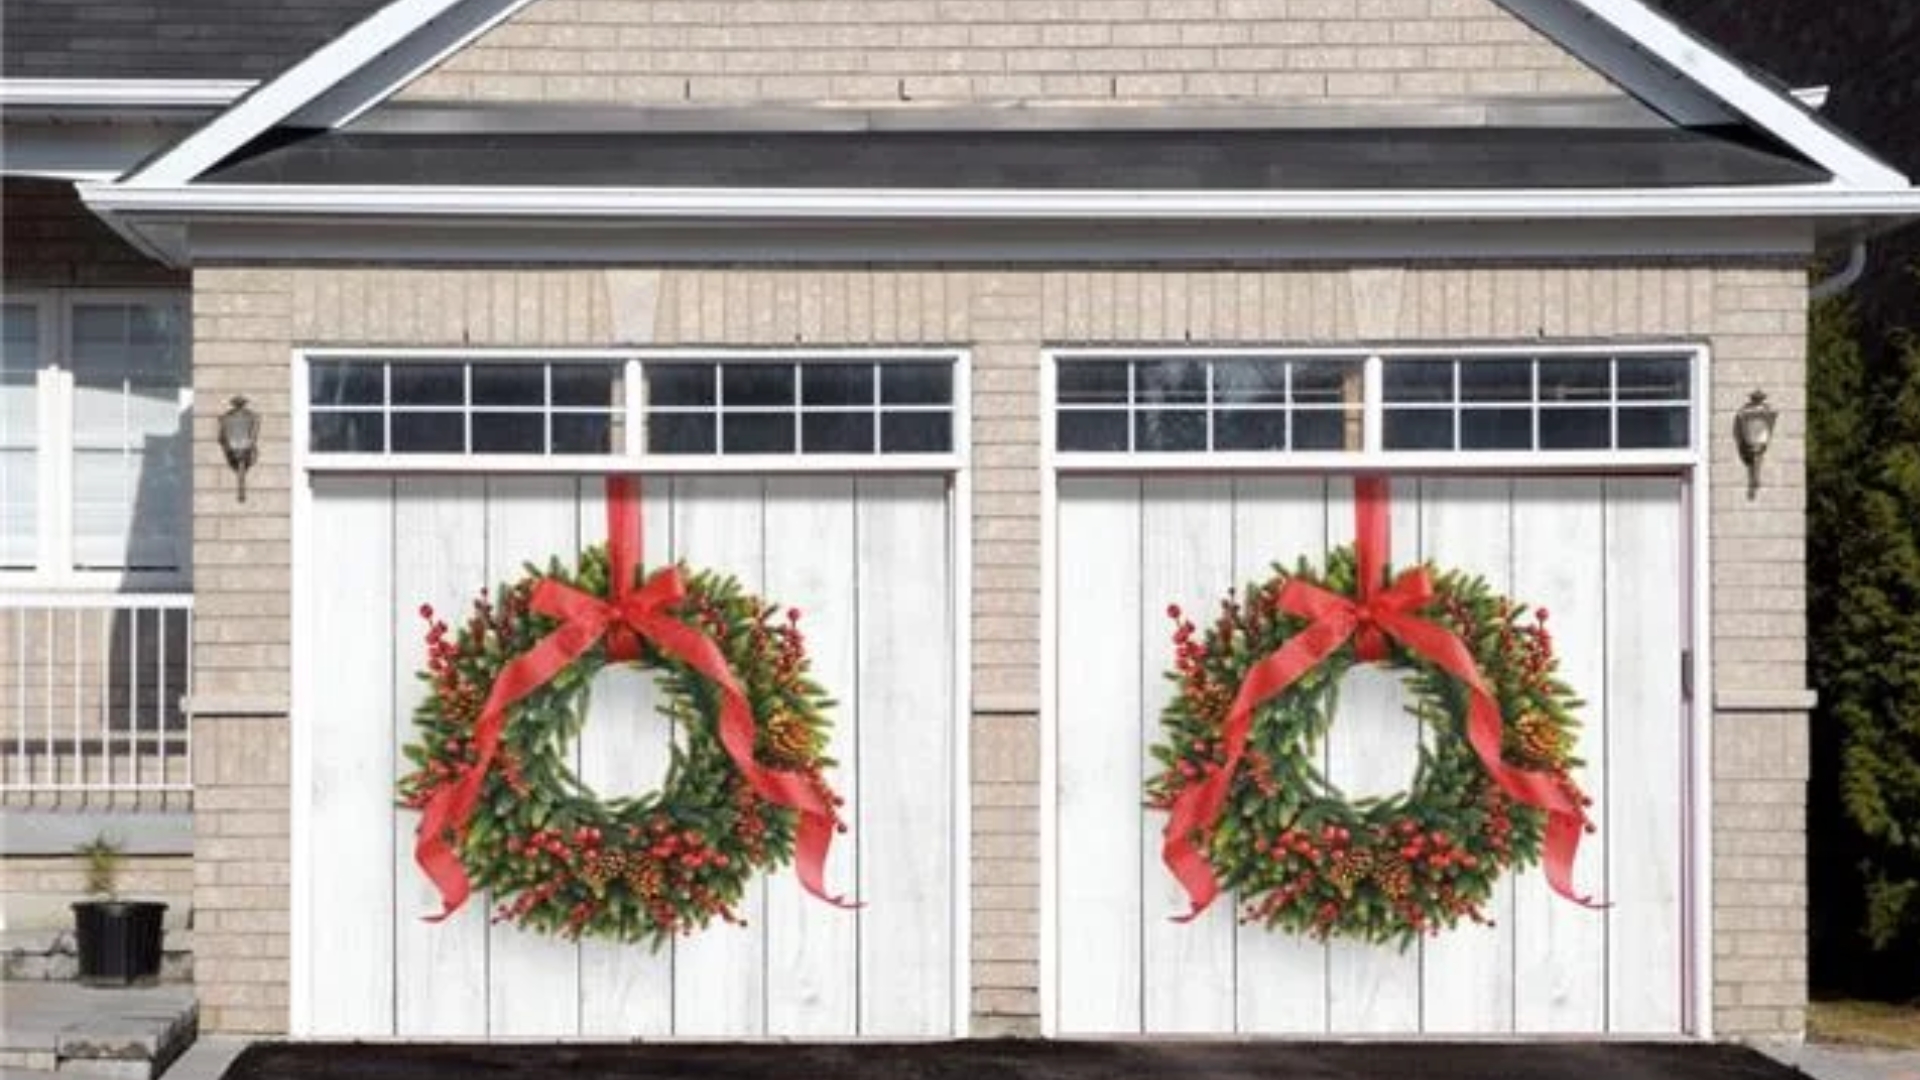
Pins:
x: 1847, y: 276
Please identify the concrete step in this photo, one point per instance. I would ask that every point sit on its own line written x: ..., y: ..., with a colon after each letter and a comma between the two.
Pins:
x: 46, y: 954
x: 72, y: 1030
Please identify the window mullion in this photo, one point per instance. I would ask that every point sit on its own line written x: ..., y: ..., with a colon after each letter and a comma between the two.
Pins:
x: 635, y: 440
x: 1373, y: 381
x: 57, y: 492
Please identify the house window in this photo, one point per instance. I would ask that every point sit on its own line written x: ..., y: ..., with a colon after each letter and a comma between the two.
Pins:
x: 1405, y: 402
x: 94, y: 462
x: 682, y: 405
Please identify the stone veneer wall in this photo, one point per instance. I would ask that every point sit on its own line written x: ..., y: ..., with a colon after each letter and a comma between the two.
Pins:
x: 890, y: 51
x: 248, y: 320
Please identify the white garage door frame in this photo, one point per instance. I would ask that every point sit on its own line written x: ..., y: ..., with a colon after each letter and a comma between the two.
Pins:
x: 1689, y: 465
x: 306, y: 466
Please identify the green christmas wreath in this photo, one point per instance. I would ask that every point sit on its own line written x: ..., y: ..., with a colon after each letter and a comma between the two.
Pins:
x: 1298, y: 854
x: 559, y: 857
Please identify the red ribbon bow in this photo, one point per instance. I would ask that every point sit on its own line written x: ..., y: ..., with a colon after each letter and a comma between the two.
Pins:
x: 1370, y: 620
x: 629, y: 617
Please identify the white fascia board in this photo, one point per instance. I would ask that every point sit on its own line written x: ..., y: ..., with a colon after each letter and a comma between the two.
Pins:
x: 385, y: 31
x: 121, y: 93
x: 1770, y: 109
x: 239, y: 201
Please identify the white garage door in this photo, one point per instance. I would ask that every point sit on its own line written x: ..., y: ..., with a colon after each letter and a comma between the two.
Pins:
x: 1607, y: 556
x: 869, y: 561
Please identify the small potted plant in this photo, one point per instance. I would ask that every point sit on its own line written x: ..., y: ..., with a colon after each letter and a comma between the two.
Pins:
x: 118, y: 940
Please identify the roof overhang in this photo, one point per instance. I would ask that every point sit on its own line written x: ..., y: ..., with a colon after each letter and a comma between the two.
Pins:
x: 694, y: 224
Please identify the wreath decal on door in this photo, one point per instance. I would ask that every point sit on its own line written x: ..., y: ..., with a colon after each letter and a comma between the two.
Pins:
x: 501, y: 806
x: 1250, y: 808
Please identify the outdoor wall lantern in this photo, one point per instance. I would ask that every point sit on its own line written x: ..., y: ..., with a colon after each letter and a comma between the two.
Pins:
x: 240, y: 439
x: 1752, y: 432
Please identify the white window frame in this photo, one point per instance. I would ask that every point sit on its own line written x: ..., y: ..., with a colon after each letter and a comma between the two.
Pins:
x: 634, y: 456
x: 54, y: 569
x: 1373, y: 410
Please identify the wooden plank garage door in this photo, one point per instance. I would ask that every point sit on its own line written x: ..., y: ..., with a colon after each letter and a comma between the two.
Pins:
x: 868, y: 560
x: 1606, y: 556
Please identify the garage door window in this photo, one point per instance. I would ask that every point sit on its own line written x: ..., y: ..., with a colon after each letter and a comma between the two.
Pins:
x: 599, y: 407
x: 1408, y: 402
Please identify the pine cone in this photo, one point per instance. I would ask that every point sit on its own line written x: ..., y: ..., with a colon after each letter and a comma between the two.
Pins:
x: 1394, y: 877
x: 645, y: 877
x: 789, y: 743
x: 1348, y: 868
x: 594, y: 872
x: 1539, y: 738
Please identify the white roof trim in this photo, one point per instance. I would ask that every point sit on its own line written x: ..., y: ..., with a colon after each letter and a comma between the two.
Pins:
x: 1770, y: 109
x: 374, y: 58
x: 234, y: 201
x: 121, y: 93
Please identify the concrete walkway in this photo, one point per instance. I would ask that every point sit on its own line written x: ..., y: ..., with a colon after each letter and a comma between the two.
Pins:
x: 1828, y: 1061
x: 131, y: 1033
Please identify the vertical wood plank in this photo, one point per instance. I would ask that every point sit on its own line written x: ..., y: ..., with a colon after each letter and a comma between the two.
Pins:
x: 812, y: 958
x: 906, y: 740
x: 1098, y: 816
x: 1467, y: 972
x: 1373, y: 746
x: 439, y: 558
x: 1281, y: 979
x: 350, y: 873
x: 1559, y: 563
x: 533, y: 978
x: 719, y: 976
x: 1186, y: 559
x: 626, y: 990
x: 1646, y: 590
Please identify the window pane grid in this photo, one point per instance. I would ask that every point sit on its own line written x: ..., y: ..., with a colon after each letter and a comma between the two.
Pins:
x: 1435, y: 403
x: 793, y: 406
x: 1570, y: 403
x: 445, y: 407
x: 1195, y: 405
x: 801, y: 407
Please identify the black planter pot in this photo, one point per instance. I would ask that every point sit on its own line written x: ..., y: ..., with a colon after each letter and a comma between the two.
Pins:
x: 118, y: 940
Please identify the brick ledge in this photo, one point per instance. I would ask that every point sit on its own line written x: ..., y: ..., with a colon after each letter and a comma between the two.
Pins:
x: 1769, y: 701
x: 275, y: 705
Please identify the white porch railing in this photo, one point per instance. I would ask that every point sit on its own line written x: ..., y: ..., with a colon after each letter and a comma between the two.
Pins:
x: 90, y: 695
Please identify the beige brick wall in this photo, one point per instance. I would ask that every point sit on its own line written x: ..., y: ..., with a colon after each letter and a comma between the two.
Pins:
x: 35, y: 890
x: 248, y: 320
x: 887, y: 51
x: 240, y: 872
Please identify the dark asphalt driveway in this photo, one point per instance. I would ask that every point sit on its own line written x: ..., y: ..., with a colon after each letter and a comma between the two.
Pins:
x: 1010, y: 1060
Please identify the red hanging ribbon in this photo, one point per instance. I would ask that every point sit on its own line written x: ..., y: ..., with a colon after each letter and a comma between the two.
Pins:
x: 630, y: 616
x: 1376, y: 615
